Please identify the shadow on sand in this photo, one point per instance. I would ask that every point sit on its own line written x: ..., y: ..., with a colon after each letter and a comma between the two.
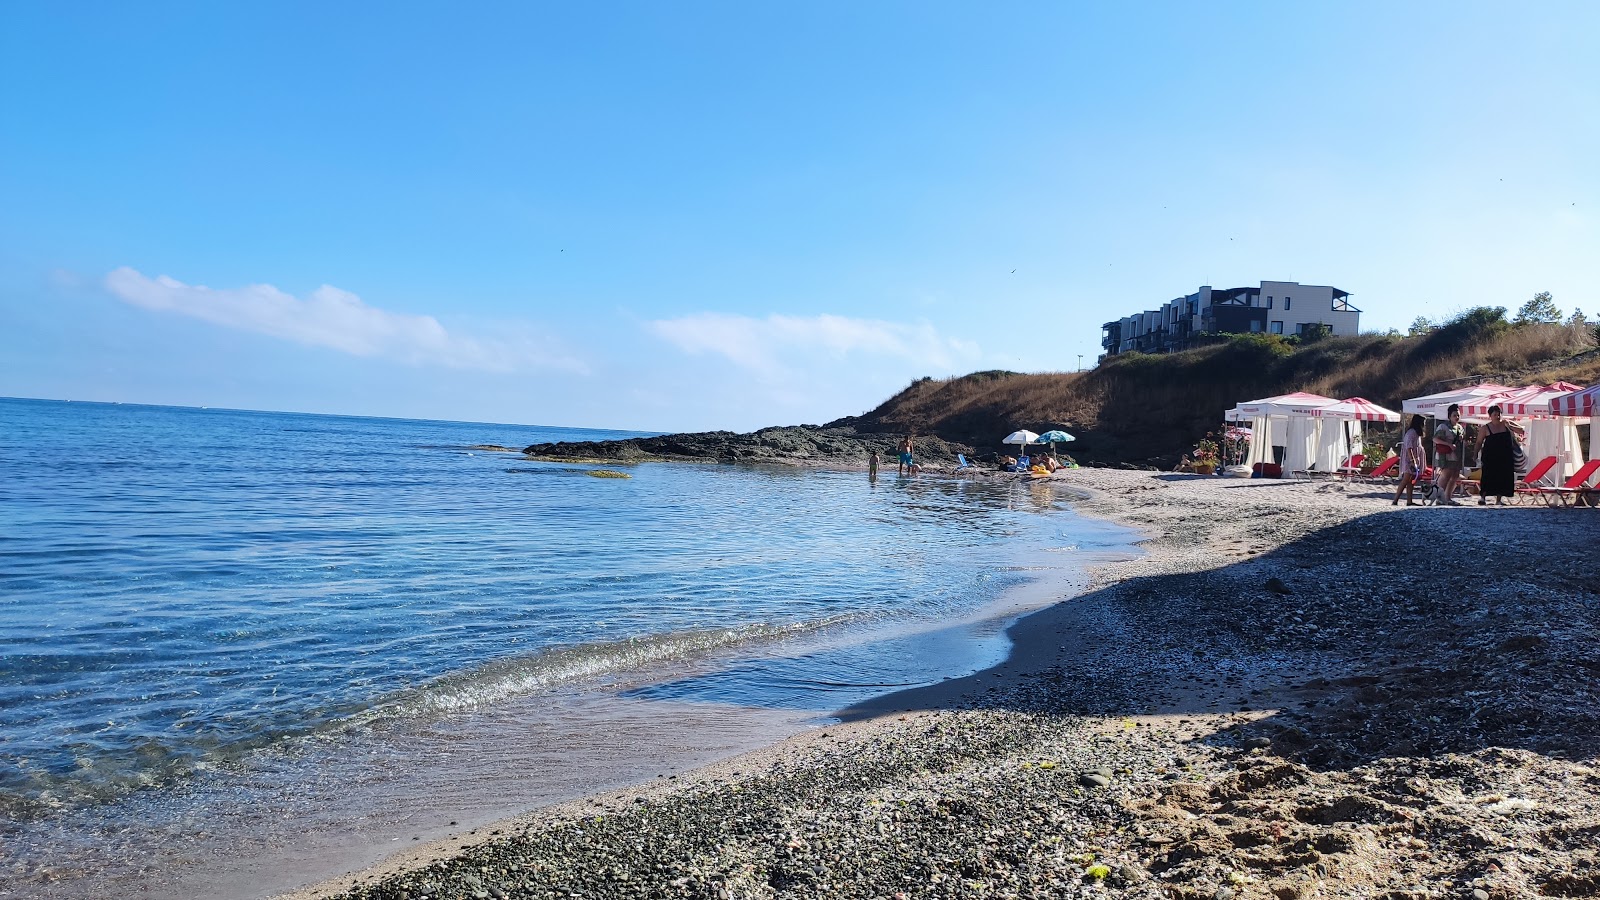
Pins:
x: 1442, y: 631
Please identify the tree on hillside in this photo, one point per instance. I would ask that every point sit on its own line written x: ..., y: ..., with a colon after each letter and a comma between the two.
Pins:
x: 1420, y: 325
x: 1541, y: 310
x: 1578, y: 319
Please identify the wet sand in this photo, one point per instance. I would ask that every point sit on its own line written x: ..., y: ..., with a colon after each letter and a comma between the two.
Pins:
x: 1299, y: 691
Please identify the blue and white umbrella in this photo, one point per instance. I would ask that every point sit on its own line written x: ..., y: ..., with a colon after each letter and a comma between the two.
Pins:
x: 1055, y: 437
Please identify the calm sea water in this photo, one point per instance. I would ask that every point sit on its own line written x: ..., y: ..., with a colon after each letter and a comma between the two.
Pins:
x: 182, y: 587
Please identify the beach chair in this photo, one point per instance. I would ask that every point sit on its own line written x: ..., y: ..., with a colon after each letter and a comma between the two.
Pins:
x: 1381, y: 473
x: 1532, y: 485
x: 1576, y: 488
x: 962, y: 464
x: 1352, y: 466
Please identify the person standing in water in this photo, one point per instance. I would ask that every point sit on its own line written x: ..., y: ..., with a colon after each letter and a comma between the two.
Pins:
x: 872, y: 467
x: 908, y: 462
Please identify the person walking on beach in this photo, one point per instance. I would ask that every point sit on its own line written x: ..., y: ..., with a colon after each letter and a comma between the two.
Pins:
x: 1449, y: 442
x: 908, y: 462
x: 1410, y: 461
x: 1496, y: 450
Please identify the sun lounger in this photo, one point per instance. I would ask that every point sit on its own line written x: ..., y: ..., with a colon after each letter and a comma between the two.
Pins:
x: 1532, y: 484
x: 962, y: 464
x: 1577, y: 488
x: 1351, y: 467
x: 1381, y: 473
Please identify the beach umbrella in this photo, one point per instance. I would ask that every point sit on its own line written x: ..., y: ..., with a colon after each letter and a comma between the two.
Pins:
x: 1021, y: 438
x: 1055, y: 437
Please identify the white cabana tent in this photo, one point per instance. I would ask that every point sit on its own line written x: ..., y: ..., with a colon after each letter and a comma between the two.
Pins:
x: 1349, y: 416
x: 1576, y: 406
x: 1286, y: 421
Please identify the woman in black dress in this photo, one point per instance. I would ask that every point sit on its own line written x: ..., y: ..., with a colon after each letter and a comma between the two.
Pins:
x: 1496, y: 448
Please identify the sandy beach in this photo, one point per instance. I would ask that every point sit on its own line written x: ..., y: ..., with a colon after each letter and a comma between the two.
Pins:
x: 1298, y: 691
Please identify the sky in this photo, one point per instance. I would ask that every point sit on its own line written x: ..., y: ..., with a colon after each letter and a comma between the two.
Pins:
x: 690, y: 216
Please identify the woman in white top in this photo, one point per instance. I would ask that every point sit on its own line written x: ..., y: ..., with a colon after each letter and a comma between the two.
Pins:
x: 1410, y: 461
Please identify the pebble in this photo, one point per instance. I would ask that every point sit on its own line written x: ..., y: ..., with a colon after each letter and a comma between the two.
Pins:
x: 1093, y: 780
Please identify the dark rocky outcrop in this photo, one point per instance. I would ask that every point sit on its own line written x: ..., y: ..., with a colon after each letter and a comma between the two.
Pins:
x: 821, y: 445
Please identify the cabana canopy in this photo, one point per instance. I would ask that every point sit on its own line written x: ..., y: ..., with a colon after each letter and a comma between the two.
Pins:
x: 1436, y: 404
x: 1580, y: 402
x: 1533, y: 400
x: 1356, y: 409
x: 1298, y: 403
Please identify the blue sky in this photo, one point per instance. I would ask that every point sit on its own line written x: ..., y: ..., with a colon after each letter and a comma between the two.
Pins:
x: 704, y: 215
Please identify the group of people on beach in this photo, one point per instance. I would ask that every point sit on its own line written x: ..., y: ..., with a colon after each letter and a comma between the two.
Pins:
x: 1496, y: 448
x: 907, y: 462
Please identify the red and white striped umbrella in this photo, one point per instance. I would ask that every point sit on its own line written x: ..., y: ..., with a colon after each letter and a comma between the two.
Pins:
x: 1582, y: 402
x: 1357, y: 408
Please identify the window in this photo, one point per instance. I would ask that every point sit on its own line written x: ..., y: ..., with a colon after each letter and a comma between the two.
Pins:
x: 1269, y: 301
x: 1277, y: 328
x: 1286, y: 302
x: 1255, y: 325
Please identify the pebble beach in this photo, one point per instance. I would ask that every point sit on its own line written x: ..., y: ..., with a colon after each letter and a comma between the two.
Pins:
x: 1297, y: 691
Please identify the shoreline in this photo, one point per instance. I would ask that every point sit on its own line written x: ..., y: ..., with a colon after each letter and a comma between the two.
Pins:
x: 1273, y: 701
x: 371, y: 794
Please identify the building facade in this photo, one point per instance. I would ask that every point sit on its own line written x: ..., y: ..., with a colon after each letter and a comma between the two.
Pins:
x: 1276, y: 307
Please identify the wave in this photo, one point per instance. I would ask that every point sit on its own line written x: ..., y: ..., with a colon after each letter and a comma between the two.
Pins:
x: 103, y: 775
x: 502, y: 679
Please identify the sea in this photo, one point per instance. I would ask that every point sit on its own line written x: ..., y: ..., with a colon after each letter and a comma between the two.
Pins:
x: 242, y: 651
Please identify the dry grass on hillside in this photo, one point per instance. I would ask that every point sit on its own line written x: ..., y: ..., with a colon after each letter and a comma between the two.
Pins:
x: 1526, y: 355
x: 1144, y: 408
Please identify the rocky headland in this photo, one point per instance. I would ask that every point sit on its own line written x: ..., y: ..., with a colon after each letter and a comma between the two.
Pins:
x: 835, y: 445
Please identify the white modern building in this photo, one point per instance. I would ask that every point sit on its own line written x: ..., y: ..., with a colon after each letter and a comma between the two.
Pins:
x: 1276, y: 307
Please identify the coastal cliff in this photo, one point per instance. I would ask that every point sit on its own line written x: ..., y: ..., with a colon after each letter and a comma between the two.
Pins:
x: 1136, y: 409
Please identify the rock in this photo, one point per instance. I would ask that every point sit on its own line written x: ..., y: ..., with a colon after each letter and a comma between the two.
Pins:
x: 1093, y: 780
x: 1127, y: 875
x: 1277, y: 586
x: 1480, y: 894
x: 799, y: 444
x: 1258, y: 743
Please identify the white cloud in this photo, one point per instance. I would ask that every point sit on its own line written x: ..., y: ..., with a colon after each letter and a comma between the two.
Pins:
x: 763, y: 345
x: 339, y: 320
